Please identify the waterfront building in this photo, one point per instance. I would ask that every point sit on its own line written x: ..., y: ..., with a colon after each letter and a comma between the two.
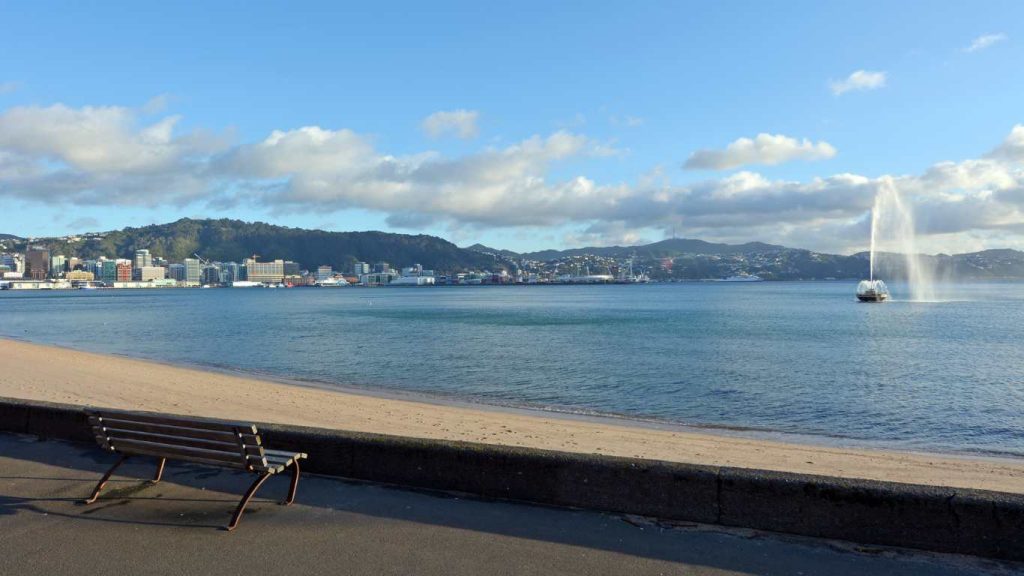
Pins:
x: 360, y: 268
x: 150, y: 273
x: 124, y: 272
x: 58, y: 265
x: 210, y: 275
x: 36, y: 285
x: 230, y: 272
x: 143, y: 258
x: 291, y: 268
x: 413, y: 280
x: 193, y: 271
x: 37, y: 263
x: 108, y: 271
x: 79, y: 276
x: 163, y: 283
x: 265, y: 272
x: 324, y: 273
x: 377, y: 278
x: 382, y: 268
x: 176, y: 272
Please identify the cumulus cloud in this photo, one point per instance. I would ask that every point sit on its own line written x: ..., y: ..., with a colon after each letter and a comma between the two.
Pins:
x: 858, y: 80
x: 108, y: 156
x: 984, y: 41
x: 460, y: 123
x: 766, y: 149
x: 1012, y: 149
x: 101, y: 155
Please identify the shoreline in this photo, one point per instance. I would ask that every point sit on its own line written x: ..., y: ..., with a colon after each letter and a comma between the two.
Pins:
x: 65, y: 375
x: 822, y: 440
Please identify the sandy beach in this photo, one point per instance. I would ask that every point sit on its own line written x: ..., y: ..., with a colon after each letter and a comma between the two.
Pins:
x: 32, y: 371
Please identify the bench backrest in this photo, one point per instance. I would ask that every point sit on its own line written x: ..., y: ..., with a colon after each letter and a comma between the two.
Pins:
x: 179, y: 438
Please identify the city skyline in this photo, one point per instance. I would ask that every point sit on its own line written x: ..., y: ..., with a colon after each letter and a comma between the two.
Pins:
x: 551, y: 133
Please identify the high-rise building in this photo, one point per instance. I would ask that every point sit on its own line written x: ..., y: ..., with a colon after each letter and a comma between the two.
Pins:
x: 58, y: 264
x: 360, y: 268
x: 176, y: 272
x: 381, y: 267
x: 108, y: 271
x: 230, y: 272
x: 143, y: 258
x: 123, y: 271
x: 193, y: 271
x: 291, y: 268
x: 37, y: 263
x: 324, y: 273
x: 266, y: 272
x: 210, y: 275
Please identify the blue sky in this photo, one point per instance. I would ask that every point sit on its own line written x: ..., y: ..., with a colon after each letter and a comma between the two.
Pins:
x: 555, y: 125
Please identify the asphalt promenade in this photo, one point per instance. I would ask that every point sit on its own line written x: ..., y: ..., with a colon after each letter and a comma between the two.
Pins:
x: 344, y: 527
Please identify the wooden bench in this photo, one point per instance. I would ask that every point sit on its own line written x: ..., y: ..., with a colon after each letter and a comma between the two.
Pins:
x: 197, y: 440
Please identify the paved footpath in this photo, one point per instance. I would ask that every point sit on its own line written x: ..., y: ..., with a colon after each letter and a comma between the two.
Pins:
x: 341, y: 527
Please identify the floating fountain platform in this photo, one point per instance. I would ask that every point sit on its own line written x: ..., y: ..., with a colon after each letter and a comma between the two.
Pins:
x: 872, y: 291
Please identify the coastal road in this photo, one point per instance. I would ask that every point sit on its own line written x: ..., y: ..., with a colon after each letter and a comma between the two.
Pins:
x: 342, y: 527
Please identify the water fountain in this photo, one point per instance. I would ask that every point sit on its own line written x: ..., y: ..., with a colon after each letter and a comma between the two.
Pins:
x: 893, y: 235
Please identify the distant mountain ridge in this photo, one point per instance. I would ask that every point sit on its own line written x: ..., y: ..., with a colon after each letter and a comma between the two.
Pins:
x: 667, y: 248
x: 691, y: 259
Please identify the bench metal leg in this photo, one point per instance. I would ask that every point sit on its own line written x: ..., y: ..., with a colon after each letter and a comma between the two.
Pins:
x: 294, y: 485
x: 245, y: 500
x: 103, y: 481
x: 159, y: 470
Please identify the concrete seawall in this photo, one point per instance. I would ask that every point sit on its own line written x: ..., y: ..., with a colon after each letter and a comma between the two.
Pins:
x: 974, y: 522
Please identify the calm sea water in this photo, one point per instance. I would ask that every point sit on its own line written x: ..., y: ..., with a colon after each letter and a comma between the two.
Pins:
x: 799, y: 358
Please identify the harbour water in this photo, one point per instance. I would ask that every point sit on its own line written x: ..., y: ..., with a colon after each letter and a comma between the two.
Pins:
x: 792, y: 358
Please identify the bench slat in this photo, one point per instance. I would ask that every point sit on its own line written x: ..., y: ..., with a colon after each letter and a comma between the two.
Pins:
x: 196, y: 423
x: 252, y: 440
x: 177, y: 452
x: 256, y: 451
x: 115, y: 434
x: 192, y: 459
x: 222, y: 436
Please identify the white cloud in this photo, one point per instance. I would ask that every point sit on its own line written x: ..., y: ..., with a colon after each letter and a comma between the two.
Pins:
x: 984, y: 41
x: 1012, y: 148
x: 106, y: 156
x: 858, y: 80
x: 460, y: 123
x: 101, y: 155
x: 766, y: 149
x: 8, y: 87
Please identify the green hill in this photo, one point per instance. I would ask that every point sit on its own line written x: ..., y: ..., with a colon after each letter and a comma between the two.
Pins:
x: 234, y: 240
